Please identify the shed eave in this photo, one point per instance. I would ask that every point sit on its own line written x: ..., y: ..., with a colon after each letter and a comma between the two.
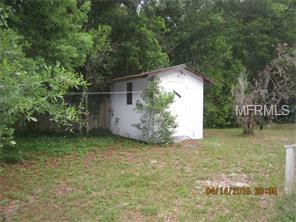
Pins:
x: 155, y: 72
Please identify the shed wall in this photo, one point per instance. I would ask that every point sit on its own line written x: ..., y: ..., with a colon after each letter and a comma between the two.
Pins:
x: 188, y: 108
x: 123, y: 116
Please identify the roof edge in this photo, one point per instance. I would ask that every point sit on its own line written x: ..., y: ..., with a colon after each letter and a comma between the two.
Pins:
x: 154, y: 72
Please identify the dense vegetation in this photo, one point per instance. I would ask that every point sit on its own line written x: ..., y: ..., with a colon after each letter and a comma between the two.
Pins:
x: 46, y: 45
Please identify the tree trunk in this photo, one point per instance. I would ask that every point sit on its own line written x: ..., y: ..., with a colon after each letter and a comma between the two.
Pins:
x: 248, y: 124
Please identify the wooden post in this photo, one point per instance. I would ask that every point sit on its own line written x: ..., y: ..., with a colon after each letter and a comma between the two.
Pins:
x: 290, y: 168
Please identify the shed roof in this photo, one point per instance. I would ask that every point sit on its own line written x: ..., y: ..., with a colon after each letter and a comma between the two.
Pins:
x: 154, y: 72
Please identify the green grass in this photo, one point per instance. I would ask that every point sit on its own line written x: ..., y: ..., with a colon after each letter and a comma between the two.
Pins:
x: 286, y: 209
x: 114, y: 179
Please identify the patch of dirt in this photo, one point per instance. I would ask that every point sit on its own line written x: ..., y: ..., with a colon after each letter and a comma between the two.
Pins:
x: 172, y: 216
x: 133, y: 216
x: 190, y: 143
x: 265, y: 202
x: 117, y: 154
x: 129, y: 156
x: 54, y: 163
x: 90, y: 157
x: 27, y: 165
x: 110, y: 153
x: 7, y: 211
x: 114, y: 153
x: 157, y: 164
x: 63, y: 190
x: 230, y: 180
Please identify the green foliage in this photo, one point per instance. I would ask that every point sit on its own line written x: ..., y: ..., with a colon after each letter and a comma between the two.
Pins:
x: 157, y: 124
x: 53, y: 29
x: 225, y: 39
x: 260, y: 32
x: 29, y: 87
x: 44, y: 42
x: 140, y: 51
x: 98, y: 63
x: 136, y: 38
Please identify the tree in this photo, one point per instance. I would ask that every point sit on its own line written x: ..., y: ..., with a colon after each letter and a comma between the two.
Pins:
x: 272, y: 86
x: 258, y: 27
x: 224, y: 39
x: 136, y: 39
x: 102, y: 38
x: 204, y: 42
x: 64, y: 31
x: 97, y: 67
x: 157, y: 124
x: 29, y: 87
x: 53, y: 30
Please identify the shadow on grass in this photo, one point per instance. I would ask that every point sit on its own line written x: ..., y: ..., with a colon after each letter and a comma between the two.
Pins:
x: 55, y: 144
x: 31, y: 145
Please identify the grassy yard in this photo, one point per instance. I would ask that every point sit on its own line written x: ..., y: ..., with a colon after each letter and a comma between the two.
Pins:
x: 114, y: 179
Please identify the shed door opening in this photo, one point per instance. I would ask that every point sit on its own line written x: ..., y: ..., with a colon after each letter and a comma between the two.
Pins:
x: 129, y: 94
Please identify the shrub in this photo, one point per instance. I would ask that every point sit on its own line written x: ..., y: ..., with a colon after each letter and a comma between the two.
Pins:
x: 156, y: 123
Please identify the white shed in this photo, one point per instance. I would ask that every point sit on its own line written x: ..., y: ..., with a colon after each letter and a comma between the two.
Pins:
x: 184, y: 81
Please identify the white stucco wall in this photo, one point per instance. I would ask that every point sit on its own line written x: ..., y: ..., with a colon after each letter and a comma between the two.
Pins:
x: 122, y: 116
x: 188, y: 109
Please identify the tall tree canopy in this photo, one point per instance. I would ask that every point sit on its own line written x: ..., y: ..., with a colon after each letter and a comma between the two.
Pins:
x: 53, y: 30
x: 135, y: 37
x: 224, y: 39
